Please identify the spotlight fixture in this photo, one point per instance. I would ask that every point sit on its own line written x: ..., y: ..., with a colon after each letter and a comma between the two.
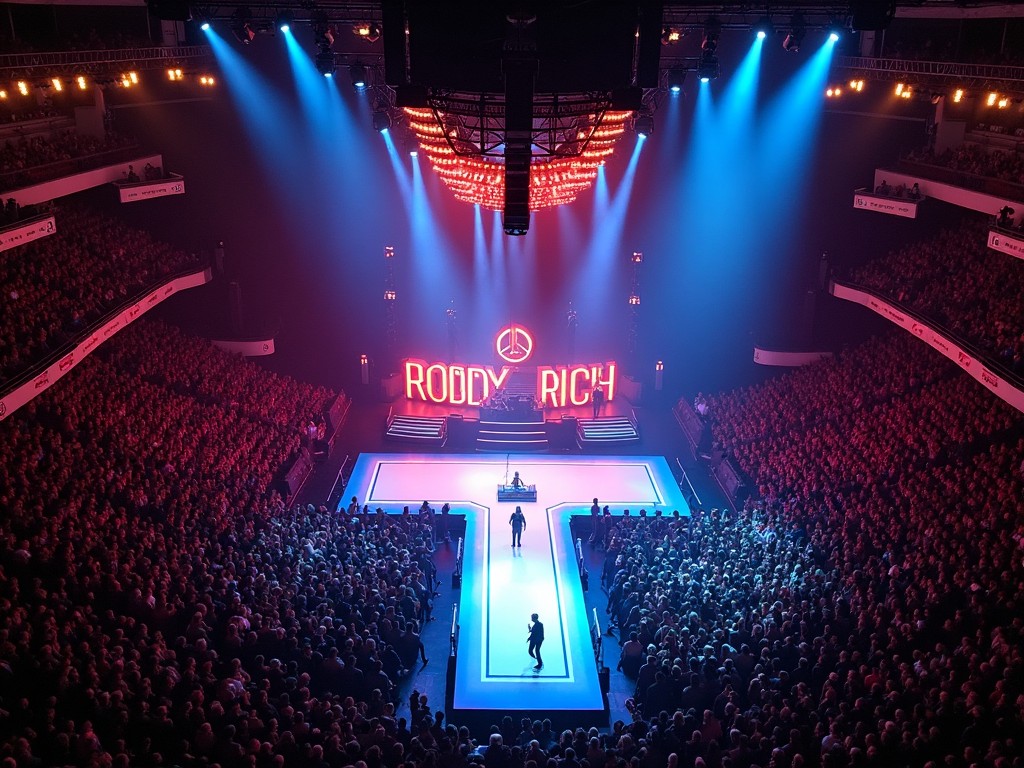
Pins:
x: 23, y: 88
x: 174, y: 74
x: 958, y: 95
x: 202, y: 20
x: 675, y: 79
x: 857, y: 85
x: 708, y: 67
x: 381, y: 120
x: 368, y: 31
x: 284, y: 21
x: 795, y: 37
x: 241, y: 26
x: 834, y: 31
x: 764, y: 28
x: 81, y: 82
x: 671, y: 35
x: 326, y: 64
x: 644, y: 125
x: 58, y: 84
x: 357, y: 72
x: 3, y: 94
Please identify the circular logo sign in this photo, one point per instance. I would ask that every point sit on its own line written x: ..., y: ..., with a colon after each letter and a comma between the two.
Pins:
x: 514, y: 344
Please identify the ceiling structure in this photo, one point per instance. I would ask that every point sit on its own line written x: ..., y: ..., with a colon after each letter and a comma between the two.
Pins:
x: 516, y: 103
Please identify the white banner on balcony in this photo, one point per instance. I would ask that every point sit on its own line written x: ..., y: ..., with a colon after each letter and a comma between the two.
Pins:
x: 777, y: 357
x: 17, y: 397
x: 1004, y: 243
x: 150, y: 190
x: 247, y: 348
x: 999, y: 386
x: 133, y: 193
x: 27, y: 232
x: 865, y: 201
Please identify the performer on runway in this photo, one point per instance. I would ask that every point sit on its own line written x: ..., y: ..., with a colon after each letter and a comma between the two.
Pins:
x: 518, y: 523
x: 517, y: 482
x: 597, y: 398
x: 536, y: 639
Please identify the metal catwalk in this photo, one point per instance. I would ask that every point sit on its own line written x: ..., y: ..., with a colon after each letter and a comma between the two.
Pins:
x: 502, y: 586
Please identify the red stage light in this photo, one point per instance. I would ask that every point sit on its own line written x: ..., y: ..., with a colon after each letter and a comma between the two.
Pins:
x: 481, y: 181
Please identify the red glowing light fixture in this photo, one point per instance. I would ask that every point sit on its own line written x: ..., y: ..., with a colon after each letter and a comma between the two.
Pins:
x: 481, y: 181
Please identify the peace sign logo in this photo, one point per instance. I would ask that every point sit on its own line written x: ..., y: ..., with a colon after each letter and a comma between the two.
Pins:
x: 514, y: 344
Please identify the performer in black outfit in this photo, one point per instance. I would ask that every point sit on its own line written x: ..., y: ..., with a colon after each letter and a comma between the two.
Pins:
x: 517, y: 482
x: 536, y: 639
x: 518, y: 523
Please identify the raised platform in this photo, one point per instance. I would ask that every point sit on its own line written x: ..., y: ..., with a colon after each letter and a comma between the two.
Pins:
x: 522, y: 493
x: 492, y: 675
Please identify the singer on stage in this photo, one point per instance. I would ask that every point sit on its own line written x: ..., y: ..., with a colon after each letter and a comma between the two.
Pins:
x: 536, y: 639
x: 517, y: 482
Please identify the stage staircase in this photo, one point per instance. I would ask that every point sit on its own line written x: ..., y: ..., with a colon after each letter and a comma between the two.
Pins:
x: 425, y: 430
x: 512, y: 437
x: 610, y: 429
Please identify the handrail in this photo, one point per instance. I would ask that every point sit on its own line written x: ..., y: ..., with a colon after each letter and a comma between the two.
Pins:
x: 391, y: 411
x: 993, y: 363
x: 453, y: 637
x: 40, y: 365
x: 582, y: 565
x: 39, y: 174
x: 337, y: 479
x: 596, y: 640
x: 989, y: 185
x: 459, y: 553
x: 686, y: 477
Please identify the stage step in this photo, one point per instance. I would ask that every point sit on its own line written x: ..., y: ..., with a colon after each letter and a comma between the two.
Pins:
x: 506, y: 437
x: 431, y: 430
x: 614, y: 429
x: 521, y: 381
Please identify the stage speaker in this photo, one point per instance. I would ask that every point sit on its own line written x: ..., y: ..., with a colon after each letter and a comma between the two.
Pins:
x: 456, y: 580
x: 604, y: 677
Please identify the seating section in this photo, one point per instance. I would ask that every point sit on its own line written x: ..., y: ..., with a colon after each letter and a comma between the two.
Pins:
x: 863, y: 610
x: 21, y: 159
x: 977, y: 160
x: 955, y: 280
x: 55, y: 287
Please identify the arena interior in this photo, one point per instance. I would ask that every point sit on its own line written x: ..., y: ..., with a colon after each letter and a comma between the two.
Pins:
x: 562, y: 384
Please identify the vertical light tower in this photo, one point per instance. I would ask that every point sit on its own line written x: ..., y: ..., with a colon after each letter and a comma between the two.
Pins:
x: 633, y: 337
x: 390, y: 310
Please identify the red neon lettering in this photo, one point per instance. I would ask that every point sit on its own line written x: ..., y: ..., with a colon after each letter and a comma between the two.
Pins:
x: 414, y: 379
x: 497, y: 381
x: 456, y: 385
x: 437, y: 379
x: 547, y: 384
x: 579, y: 395
x: 608, y: 383
x: 475, y: 395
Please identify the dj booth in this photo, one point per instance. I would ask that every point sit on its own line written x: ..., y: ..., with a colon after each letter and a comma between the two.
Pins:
x: 513, y: 493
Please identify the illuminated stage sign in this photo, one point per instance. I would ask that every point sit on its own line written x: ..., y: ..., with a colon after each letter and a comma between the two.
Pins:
x: 514, y: 344
x: 454, y: 384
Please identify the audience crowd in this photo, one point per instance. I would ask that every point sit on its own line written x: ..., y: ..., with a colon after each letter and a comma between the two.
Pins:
x: 866, y: 609
x: 55, y: 287
x: 161, y: 604
x: 960, y: 283
x: 976, y: 160
x: 21, y: 159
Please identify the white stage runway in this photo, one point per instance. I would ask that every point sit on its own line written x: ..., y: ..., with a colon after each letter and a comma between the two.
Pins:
x: 502, y: 586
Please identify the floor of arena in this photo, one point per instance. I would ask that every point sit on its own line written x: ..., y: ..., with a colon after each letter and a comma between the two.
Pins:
x: 502, y: 586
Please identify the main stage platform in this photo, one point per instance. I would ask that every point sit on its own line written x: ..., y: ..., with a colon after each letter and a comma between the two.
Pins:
x: 502, y: 585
